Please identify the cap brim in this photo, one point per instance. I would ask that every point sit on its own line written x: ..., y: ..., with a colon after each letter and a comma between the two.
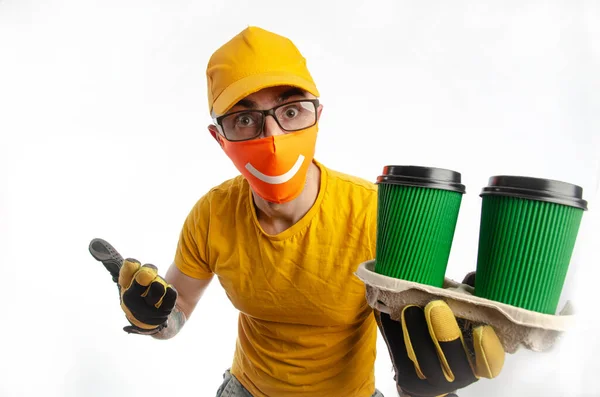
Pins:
x: 254, y: 83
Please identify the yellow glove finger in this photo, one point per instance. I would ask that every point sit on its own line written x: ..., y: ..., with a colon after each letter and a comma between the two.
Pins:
x: 489, y: 353
x: 408, y: 343
x: 129, y: 268
x: 448, y: 340
x: 156, y: 292
x: 409, y: 314
x: 145, y: 275
x: 169, y: 299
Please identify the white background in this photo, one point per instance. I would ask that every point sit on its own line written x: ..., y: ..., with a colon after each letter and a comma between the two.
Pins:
x: 103, y: 119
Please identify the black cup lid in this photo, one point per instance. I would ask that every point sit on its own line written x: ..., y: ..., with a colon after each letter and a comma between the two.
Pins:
x: 412, y: 175
x: 547, y: 190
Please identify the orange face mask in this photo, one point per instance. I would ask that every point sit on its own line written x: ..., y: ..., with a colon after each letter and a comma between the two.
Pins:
x: 276, y: 166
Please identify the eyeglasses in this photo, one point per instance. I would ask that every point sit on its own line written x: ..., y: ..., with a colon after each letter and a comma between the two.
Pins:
x: 249, y: 124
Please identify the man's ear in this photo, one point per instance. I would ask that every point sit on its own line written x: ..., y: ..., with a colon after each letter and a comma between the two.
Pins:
x: 215, y: 134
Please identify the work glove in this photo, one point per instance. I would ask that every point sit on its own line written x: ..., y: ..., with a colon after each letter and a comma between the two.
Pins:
x: 435, y: 354
x: 146, y: 298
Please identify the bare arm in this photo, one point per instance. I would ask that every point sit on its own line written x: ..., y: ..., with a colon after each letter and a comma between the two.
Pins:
x: 189, y: 292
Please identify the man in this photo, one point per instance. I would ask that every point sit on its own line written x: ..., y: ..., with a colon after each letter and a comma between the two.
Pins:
x: 284, y: 239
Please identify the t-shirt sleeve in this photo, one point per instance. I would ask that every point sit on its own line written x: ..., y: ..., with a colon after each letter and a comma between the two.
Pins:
x: 191, y: 257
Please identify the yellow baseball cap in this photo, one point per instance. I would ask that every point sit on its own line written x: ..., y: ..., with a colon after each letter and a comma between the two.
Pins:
x: 252, y: 60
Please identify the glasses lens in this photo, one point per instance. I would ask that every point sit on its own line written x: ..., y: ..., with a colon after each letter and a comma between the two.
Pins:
x: 242, y: 126
x: 291, y: 116
x: 296, y: 115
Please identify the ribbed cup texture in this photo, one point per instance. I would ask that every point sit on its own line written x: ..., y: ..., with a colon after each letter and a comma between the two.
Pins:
x: 415, y: 228
x: 525, y: 247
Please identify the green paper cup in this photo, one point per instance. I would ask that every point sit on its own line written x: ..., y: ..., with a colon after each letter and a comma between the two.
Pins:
x: 527, y: 234
x: 416, y: 218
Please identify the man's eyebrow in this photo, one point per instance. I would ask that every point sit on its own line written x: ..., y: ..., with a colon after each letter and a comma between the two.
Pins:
x: 290, y: 93
x: 247, y: 103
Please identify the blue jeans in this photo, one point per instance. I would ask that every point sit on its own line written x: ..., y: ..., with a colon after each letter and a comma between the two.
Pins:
x: 231, y: 387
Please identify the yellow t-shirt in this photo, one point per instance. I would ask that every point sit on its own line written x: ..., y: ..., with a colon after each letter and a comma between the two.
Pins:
x: 305, y: 328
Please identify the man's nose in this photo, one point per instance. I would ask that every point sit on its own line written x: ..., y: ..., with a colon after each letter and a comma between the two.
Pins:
x: 271, y: 128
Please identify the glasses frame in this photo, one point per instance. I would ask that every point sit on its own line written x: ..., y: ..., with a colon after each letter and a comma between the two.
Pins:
x: 265, y: 113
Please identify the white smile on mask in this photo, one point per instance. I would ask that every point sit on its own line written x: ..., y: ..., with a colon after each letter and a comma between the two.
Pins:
x: 277, y: 179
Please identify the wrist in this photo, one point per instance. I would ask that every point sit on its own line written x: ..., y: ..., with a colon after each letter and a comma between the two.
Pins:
x: 175, y: 322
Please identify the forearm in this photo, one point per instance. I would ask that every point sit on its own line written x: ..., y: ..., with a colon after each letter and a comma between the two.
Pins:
x: 174, y: 324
